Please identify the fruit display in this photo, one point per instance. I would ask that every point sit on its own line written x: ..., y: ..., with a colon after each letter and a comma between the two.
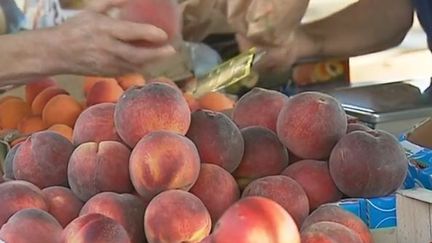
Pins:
x: 140, y: 161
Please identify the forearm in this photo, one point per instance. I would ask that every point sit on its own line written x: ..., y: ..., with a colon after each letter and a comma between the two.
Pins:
x: 25, y: 55
x: 363, y: 27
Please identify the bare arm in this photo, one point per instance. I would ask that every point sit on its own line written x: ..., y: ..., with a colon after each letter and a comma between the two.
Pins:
x: 364, y: 27
x: 88, y: 44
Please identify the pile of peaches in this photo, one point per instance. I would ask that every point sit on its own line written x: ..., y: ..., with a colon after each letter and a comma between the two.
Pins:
x: 142, y: 161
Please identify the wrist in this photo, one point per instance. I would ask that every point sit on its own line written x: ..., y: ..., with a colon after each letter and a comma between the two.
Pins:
x: 308, y: 45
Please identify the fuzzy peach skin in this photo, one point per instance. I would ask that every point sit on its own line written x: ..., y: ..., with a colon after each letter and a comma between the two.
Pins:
x: 218, y: 139
x: 163, y: 160
x: 42, y: 159
x: 176, y: 216
x: 255, y: 219
x: 95, y: 168
x: 126, y: 209
x: 152, y: 107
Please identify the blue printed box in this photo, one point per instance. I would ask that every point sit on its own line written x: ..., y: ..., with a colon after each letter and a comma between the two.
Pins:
x: 377, y: 213
x: 420, y: 165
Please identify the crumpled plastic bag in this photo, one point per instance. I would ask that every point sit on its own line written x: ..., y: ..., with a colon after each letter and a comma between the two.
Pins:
x: 264, y: 22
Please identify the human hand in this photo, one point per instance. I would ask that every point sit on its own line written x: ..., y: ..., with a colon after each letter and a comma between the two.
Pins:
x: 92, y: 43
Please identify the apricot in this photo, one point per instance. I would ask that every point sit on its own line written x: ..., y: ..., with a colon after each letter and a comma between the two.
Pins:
x: 62, y: 204
x: 259, y: 107
x: 264, y: 155
x: 368, y: 164
x: 255, y: 219
x: 215, y: 101
x: 333, y: 213
x: 95, y: 168
x: 31, y: 225
x: 217, y: 189
x: 310, y: 124
x: 8, y: 163
x: 12, y: 112
x: 42, y: 159
x: 16, y: 195
x: 89, y: 81
x: 61, y: 109
x: 130, y: 80
x: 314, y: 177
x: 176, y: 216
x: 328, y: 232
x: 125, y: 209
x: 192, y: 102
x: 43, y: 97
x: 94, y: 228
x: 63, y: 130
x: 96, y: 124
x: 218, y: 139
x: 163, y: 160
x: 31, y: 124
x: 33, y: 88
x: 104, y: 92
x: 153, y: 107
x: 283, y: 190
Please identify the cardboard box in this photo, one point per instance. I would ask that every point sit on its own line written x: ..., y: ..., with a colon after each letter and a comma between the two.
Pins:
x: 377, y: 213
x: 418, y: 146
x: 414, y: 215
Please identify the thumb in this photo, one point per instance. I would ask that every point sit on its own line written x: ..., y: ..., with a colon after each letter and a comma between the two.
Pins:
x: 103, y: 6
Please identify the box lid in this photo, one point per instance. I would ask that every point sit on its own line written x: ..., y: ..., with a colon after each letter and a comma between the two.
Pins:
x: 386, y: 102
x: 420, y: 194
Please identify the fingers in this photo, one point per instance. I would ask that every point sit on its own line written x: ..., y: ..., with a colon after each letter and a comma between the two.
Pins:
x: 103, y: 6
x: 141, y: 55
x: 130, y: 31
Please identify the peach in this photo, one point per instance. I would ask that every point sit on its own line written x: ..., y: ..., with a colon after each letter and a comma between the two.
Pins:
x: 215, y: 101
x: 218, y: 139
x: 164, y: 14
x: 283, y: 190
x: 328, y: 232
x: 42, y: 159
x: 95, y: 168
x: 90, y: 81
x: 192, y: 102
x: 333, y: 213
x: 8, y: 163
x: 33, y: 88
x: 264, y: 155
x: 63, y: 130
x: 255, y: 219
x: 310, y: 124
x: 129, y: 80
x: 126, y: 209
x: 217, y: 189
x: 96, y: 124
x: 31, y: 225
x: 153, y: 107
x: 8, y: 97
x: 163, y: 160
x: 17, y: 195
x: 104, y: 92
x: 31, y: 124
x: 357, y: 127
x: 176, y: 216
x: 164, y: 80
x: 94, y: 228
x: 12, y: 112
x: 259, y: 107
x: 368, y: 164
x: 314, y: 177
x: 62, y: 203
x: 61, y: 109
x: 43, y: 97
